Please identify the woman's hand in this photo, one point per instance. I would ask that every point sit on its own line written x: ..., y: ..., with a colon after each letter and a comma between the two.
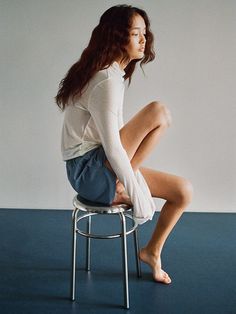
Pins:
x: 119, y: 187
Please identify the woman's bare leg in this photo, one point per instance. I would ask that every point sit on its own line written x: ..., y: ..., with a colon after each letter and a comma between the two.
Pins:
x: 177, y: 192
x: 139, y: 136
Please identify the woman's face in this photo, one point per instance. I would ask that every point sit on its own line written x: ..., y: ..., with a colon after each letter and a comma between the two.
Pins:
x: 136, y: 46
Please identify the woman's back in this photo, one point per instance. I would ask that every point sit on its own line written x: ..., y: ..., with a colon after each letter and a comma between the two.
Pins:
x: 79, y: 133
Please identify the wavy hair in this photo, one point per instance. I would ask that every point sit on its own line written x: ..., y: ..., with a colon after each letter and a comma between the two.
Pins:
x: 107, y: 44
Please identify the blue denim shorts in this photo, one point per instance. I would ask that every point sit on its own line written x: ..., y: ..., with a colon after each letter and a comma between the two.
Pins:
x: 91, y: 179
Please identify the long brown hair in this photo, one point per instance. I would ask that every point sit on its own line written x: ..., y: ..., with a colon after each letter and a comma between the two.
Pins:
x: 107, y: 44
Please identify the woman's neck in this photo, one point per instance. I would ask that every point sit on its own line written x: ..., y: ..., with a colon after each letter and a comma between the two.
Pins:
x: 123, y: 64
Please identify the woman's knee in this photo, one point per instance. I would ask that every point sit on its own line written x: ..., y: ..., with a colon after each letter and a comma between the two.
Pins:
x: 160, y: 114
x: 184, y: 192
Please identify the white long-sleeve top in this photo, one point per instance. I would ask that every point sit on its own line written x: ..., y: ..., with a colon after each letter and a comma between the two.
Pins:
x: 94, y: 119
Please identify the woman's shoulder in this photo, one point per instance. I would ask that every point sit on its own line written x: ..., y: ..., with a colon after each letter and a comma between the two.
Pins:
x: 112, y: 72
x: 101, y: 75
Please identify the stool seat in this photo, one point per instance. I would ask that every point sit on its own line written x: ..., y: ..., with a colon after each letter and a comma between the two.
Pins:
x: 90, y: 210
x: 100, y: 208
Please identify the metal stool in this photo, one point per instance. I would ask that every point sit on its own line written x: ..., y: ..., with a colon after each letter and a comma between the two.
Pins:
x: 121, y: 210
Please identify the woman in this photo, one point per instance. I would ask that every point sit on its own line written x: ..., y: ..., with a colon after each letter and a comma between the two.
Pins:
x: 103, y: 156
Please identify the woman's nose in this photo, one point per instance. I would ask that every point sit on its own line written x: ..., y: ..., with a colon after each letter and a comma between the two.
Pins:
x: 142, y: 39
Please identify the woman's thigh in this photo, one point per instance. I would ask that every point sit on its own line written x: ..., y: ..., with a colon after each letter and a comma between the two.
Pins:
x: 167, y: 186
x: 138, y: 127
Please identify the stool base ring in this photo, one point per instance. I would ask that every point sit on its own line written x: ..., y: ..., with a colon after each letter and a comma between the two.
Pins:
x: 108, y: 236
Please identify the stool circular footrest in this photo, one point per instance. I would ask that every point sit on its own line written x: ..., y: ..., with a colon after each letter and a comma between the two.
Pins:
x: 107, y: 236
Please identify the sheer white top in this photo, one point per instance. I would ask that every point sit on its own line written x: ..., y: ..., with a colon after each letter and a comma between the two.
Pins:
x: 94, y: 119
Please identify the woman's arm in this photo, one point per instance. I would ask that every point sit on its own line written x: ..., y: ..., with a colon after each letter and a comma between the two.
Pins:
x: 104, y: 103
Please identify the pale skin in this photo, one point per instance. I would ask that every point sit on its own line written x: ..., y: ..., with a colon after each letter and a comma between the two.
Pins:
x: 139, y: 137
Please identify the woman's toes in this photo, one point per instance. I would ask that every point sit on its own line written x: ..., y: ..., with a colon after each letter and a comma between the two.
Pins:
x: 167, y: 278
x: 162, y: 277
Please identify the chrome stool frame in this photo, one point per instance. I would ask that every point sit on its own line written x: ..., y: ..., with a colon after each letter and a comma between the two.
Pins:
x: 121, y: 210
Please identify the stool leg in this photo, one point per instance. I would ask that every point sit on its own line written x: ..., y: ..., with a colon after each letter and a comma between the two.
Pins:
x: 125, y: 262
x: 136, y: 245
x: 88, y: 244
x: 74, y: 222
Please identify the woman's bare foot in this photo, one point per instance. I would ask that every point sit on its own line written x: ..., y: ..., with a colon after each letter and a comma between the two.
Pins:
x: 119, y: 187
x: 121, y: 198
x: 155, y: 263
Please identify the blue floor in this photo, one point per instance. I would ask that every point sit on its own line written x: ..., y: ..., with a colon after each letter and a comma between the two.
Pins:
x: 35, y: 246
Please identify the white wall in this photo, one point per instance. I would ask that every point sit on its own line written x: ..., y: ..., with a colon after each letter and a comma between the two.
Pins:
x: 194, y: 74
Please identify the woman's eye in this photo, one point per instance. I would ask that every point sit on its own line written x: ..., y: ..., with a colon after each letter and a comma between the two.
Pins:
x: 137, y: 34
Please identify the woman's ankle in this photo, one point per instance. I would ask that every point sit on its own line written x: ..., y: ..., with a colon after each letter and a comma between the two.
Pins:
x: 154, y: 252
